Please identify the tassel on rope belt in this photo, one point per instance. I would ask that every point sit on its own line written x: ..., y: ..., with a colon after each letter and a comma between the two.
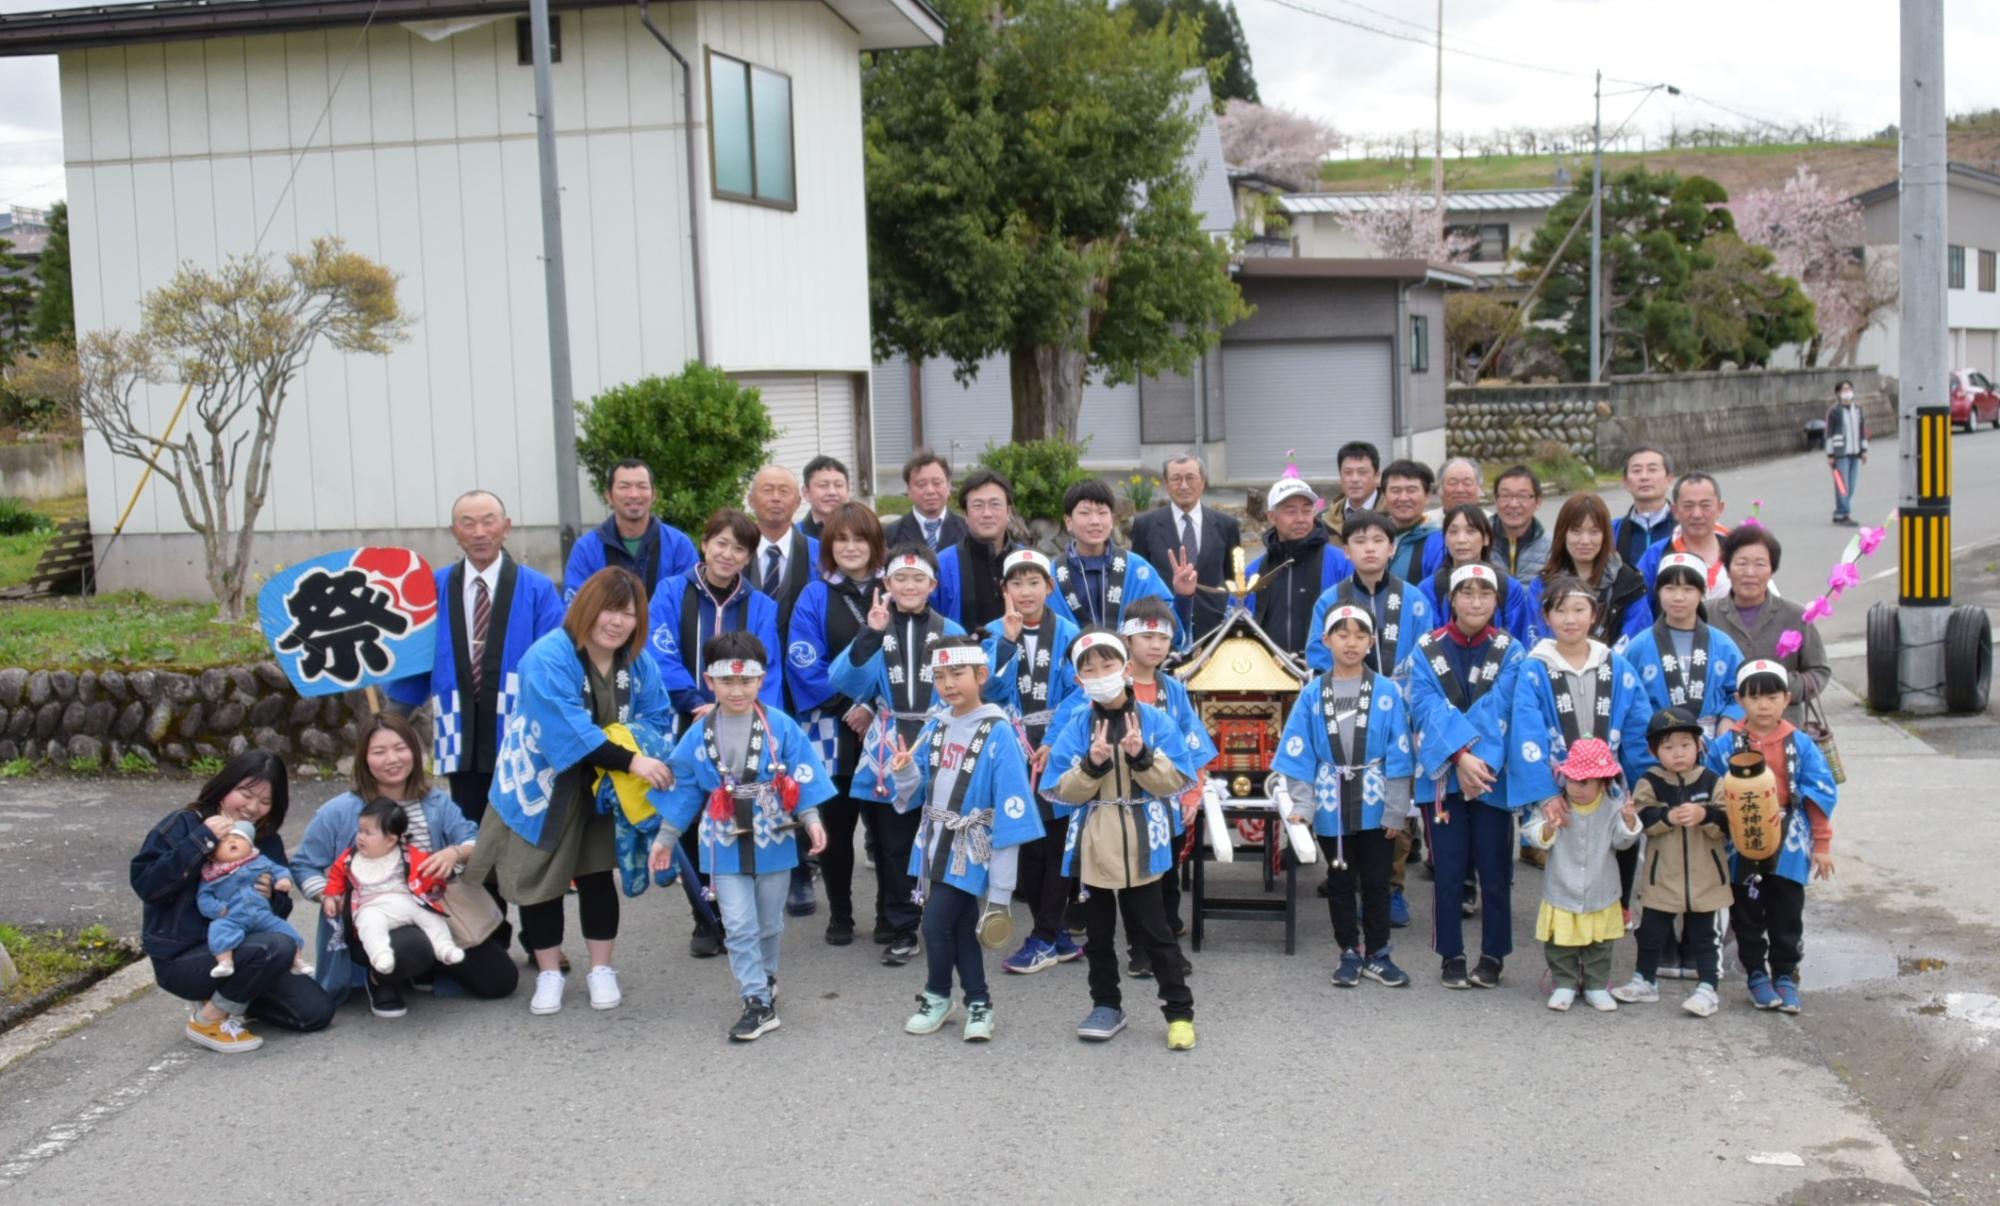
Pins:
x: 971, y: 834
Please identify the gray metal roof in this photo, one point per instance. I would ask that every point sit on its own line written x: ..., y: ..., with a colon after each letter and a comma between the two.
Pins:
x: 1486, y: 200
x: 1212, y: 198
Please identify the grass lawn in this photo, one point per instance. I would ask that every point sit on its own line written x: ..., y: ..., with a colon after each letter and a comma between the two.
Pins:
x: 1538, y: 171
x: 49, y: 959
x: 18, y: 554
x: 123, y: 632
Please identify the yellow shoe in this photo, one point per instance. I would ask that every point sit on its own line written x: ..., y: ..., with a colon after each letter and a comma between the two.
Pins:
x: 1180, y: 1036
x: 227, y: 1035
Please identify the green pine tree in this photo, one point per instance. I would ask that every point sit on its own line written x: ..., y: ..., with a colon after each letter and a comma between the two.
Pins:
x: 54, y: 317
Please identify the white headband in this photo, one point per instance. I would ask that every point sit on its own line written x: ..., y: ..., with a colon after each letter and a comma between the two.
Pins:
x: 1139, y: 627
x: 736, y: 668
x: 1020, y: 557
x: 1686, y: 561
x: 1474, y: 572
x: 909, y: 561
x: 1359, y: 615
x: 959, y: 655
x: 1097, y: 640
x: 1762, y: 666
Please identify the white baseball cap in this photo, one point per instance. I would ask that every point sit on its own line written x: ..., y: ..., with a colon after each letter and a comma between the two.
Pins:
x: 1288, y: 487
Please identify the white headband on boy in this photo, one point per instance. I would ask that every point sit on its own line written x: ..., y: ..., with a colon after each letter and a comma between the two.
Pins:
x: 1139, y: 627
x: 959, y: 655
x: 1020, y: 557
x: 1097, y: 640
x: 1761, y: 666
x: 1474, y: 572
x: 1359, y: 615
x: 909, y: 561
x: 736, y: 667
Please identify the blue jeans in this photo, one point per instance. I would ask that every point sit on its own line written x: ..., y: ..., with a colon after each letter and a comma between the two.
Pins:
x: 1478, y: 837
x: 753, y: 922
x: 951, y: 943
x: 1850, y: 472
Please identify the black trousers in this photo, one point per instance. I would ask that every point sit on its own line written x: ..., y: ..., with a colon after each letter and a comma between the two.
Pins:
x: 596, y: 912
x: 840, y: 815
x: 1371, y: 857
x: 1628, y: 873
x: 1771, y: 925
x: 1042, y: 883
x: 951, y: 944
x: 262, y: 986
x: 893, y: 834
x: 1146, y: 921
x: 488, y: 971
x: 1698, y: 939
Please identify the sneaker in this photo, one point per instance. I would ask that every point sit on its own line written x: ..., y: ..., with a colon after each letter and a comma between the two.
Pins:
x: 1348, y: 974
x: 930, y: 1015
x: 603, y: 982
x: 1561, y: 999
x: 1535, y: 857
x: 705, y: 943
x: 1453, y: 974
x: 1486, y: 973
x: 799, y: 901
x: 548, y: 993
x: 1639, y: 991
x: 1323, y: 888
x: 884, y: 933
x: 1103, y: 1024
x: 1383, y: 970
x: 840, y: 932
x: 1399, y: 910
x: 901, y: 951
x: 1600, y: 1000
x: 1138, y: 966
x: 1180, y: 1035
x: 757, y: 1021
x: 226, y: 1035
x: 979, y: 1022
x: 1034, y: 955
x: 1762, y: 995
x: 1667, y: 971
x: 1068, y: 949
x: 1788, y: 995
x: 1703, y: 1001
x: 385, y: 1000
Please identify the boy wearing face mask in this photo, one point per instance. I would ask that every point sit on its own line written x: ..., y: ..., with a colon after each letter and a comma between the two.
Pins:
x: 1113, y: 774
x: 1846, y: 449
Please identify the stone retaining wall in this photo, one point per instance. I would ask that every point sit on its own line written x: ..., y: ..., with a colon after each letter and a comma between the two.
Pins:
x: 167, y: 717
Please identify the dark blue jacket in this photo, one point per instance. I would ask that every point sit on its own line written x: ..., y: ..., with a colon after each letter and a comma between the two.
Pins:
x: 166, y: 874
x: 666, y: 553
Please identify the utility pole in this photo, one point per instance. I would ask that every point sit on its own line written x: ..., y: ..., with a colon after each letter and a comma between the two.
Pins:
x: 1597, y: 232
x: 1437, y: 131
x: 569, y: 506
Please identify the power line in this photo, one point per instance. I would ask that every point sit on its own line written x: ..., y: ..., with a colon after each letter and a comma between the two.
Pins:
x: 317, y: 123
x: 1428, y: 42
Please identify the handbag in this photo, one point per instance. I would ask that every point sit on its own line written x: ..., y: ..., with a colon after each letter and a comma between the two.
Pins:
x: 1821, y: 732
x: 471, y: 912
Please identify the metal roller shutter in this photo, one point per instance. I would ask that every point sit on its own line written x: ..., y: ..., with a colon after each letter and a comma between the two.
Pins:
x: 960, y: 420
x: 1980, y: 352
x: 1310, y: 397
x: 890, y: 390
x: 836, y: 420
x: 793, y: 402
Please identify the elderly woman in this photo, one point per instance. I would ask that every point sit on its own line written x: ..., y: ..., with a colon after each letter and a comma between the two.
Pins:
x: 167, y: 874
x: 389, y: 764
x: 591, y: 701
x: 1755, y: 617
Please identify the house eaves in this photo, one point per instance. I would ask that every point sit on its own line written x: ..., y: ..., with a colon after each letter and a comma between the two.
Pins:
x: 1326, y: 268
x: 1955, y: 173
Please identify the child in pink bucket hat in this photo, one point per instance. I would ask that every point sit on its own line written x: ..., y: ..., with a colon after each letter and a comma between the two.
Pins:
x: 1580, y: 916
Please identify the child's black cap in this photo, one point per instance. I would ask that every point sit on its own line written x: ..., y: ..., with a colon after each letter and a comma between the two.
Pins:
x: 1668, y: 721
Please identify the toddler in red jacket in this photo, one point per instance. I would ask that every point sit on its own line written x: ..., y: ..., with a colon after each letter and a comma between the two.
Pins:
x: 382, y: 872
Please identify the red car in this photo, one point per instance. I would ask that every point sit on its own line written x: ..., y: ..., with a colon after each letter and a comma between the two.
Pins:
x: 1974, y: 401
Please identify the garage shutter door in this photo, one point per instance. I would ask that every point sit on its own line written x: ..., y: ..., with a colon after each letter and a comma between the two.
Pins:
x: 813, y: 412
x: 1980, y: 352
x: 836, y: 420
x: 1110, y: 417
x: 891, y: 394
x: 1310, y: 396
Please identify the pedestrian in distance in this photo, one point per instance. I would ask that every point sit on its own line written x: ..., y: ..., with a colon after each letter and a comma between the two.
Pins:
x: 1846, y: 449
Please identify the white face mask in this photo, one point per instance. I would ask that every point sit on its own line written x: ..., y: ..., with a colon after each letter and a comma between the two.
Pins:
x: 1105, y: 689
x: 1847, y: 395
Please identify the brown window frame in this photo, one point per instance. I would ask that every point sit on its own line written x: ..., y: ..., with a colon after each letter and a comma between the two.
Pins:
x: 715, y: 188
x: 1987, y: 274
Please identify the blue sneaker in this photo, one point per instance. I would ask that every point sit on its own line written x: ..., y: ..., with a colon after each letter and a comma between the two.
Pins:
x: 1348, y: 974
x: 1034, y: 955
x: 1103, y: 1023
x: 1399, y: 910
x: 1383, y: 970
x: 1788, y: 995
x: 1762, y: 995
x: 1067, y: 948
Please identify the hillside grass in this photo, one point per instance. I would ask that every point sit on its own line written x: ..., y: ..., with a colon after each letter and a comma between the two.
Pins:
x: 1539, y: 171
x: 128, y: 631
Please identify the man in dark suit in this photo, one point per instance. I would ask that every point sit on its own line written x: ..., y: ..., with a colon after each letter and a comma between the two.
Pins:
x: 786, y: 561
x: 927, y: 476
x: 1186, y: 527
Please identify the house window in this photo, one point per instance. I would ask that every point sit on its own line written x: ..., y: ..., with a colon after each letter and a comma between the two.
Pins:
x: 1955, y: 267
x: 1491, y: 242
x: 1986, y: 282
x: 524, y: 40
x: 750, y: 133
x: 1420, y: 343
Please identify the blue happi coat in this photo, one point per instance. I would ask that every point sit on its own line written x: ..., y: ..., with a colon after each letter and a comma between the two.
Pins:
x: 1811, y: 779
x: 552, y: 729
x: 1305, y: 753
x: 867, y: 683
x: 1140, y: 581
x: 681, y: 669
x: 1000, y: 783
x: 533, y: 611
x: 1068, y: 750
x: 696, y: 775
x: 1010, y: 676
x: 1537, y: 743
x: 665, y: 552
x: 1415, y: 622
x: 1440, y: 731
x: 1717, y: 672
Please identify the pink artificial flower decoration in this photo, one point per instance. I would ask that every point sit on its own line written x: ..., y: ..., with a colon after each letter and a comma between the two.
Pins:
x: 1844, y: 575
x: 1789, y: 642
x: 1817, y: 610
x: 1871, y: 539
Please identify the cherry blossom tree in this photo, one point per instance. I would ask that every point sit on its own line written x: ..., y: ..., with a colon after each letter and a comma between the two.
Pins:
x: 1407, y: 227
x: 1816, y: 235
x: 1280, y: 143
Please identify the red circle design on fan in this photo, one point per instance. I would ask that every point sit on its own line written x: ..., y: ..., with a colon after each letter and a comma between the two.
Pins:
x: 412, y: 589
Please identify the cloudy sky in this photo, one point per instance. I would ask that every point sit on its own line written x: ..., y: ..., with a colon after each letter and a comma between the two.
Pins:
x: 1780, y: 61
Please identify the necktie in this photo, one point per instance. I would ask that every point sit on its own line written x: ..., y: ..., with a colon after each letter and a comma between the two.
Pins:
x: 482, y: 618
x: 1187, y: 537
x: 931, y: 527
x: 773, y: 570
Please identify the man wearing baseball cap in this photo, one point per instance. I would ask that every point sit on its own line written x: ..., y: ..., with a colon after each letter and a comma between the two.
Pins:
x: 1299, y: 562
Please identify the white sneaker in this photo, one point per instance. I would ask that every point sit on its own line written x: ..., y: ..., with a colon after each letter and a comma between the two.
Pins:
x: 1702, y: 1002
x: 1639, y: 990
x: 604, y: 992
x: 548, y: 993
x: 1601, y: 1001
x: 1561, y: 999
x: 1668, y: 971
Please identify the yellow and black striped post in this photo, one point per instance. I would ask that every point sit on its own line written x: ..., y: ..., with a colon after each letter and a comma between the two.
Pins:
x: 1925, y: 528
